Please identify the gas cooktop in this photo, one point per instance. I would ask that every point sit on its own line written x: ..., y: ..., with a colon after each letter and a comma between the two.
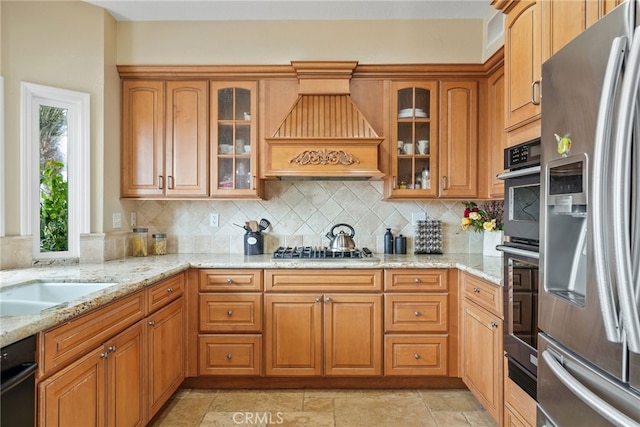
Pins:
x: 320, y: 253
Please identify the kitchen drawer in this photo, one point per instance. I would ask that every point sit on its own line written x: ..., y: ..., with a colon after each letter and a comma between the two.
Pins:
x: 416, y: 313
x: 231, y: 280
x: 416, y: 355
x: 353, y: 280
x: 483, y: 293
x: 164, y: 292
x: 230, y: 312
x: 428, y: 280
x: 65, y: 343
x: 229, y: 354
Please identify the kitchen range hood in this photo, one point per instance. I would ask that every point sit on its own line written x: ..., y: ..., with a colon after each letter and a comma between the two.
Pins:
x: 324, y: 135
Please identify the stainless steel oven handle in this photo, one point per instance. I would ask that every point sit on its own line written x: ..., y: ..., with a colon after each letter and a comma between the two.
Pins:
x: 621, y: 187
x: 601, y: 179
x: 517, y: 251
x: 587, y: 396
x: 19, y: 378
x: 533, y: 170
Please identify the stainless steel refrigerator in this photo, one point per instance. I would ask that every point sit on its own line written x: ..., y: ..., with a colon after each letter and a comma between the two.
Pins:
x: 589, y: 340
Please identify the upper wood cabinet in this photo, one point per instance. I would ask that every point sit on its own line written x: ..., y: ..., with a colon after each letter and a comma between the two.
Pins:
x: 234, y: 139
x: 523, y: 63
x: 458, y: 139
x: 414, y: 140
x: 562, y: 21
x: 439, y: 138
x: 493, y: 152
x: 164, y: 139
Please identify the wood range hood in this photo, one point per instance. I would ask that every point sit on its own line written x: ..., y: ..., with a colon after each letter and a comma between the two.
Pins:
x: 324, y: 135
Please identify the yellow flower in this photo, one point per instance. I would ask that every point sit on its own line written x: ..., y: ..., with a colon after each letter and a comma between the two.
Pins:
x: 466, y: 221
x: 489, y: 225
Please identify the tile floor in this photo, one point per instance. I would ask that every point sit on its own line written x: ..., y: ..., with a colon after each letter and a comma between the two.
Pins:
x: 323, y: 408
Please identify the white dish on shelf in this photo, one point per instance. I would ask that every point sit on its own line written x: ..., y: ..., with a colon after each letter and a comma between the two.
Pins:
x: 409, y: 112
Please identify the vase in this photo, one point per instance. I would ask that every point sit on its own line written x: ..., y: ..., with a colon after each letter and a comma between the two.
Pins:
x: 491, y: 239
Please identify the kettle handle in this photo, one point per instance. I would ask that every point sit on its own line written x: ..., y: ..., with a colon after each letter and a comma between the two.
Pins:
x: 353, y: 232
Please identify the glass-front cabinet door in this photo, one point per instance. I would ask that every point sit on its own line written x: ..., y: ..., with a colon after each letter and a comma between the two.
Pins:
x: 233, y: 139
x: 414, y: 140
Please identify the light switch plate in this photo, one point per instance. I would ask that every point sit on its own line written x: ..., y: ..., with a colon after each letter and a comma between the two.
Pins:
x: 418, y: 216
x: 134, y: 219
x: 117, y: 220
x: 213, y: 220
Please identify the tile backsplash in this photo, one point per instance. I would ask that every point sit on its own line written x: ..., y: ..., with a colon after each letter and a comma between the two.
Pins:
x: 301, y: 213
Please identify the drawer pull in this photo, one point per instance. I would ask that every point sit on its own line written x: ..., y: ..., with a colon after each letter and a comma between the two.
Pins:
x: 416, y: 356
x: 151, y: 323
x: 230, y: 313
x: 112, y: 348
x: 169, y: 290
x: 229, y: 356
x: 417, y: 280
x: 229, y: 280
x: 476, y: 290
x: 416, y: 313
x: 494, y: 324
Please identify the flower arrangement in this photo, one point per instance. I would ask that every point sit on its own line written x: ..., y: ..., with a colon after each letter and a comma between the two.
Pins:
x: 489, y: 217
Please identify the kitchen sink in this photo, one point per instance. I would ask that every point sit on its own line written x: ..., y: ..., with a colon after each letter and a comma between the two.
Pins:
x: 33, y: 297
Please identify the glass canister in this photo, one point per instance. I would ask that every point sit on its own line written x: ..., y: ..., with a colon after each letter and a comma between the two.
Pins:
x: 159, y: 244
x: 139, y: 242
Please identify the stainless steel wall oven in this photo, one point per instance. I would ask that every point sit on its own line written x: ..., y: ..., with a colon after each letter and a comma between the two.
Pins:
x: 520, y: 252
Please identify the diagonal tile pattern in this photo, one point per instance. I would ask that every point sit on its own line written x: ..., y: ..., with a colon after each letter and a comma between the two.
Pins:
x: 301, y: 213
x: 323, y: 408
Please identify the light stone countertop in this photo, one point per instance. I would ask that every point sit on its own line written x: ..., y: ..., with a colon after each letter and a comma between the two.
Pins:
x: 132, y: 274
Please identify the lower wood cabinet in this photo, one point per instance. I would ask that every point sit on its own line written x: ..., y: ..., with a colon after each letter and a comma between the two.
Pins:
x: 233, y: 354
x: 124, y: 379
x: 166, y: 354
x: 105, y: 387
x: 323, y: 334
x: 519, y: 407
x: 482, y: 343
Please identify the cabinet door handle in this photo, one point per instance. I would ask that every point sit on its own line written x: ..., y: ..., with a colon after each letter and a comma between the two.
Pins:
x: 416, y: 313
x: 170, y: 182
x: 112, y: 348
x: 104, y: 355
x: 151, y: 323
x: 318, y: 299
x: 535, y: 101
x: 416, y: 356
x: 444, y: 182
x: 160, y: 182
x: 230, y: 313
x: 327, y: 299
x: 494, y: 324
x: 229, y: 356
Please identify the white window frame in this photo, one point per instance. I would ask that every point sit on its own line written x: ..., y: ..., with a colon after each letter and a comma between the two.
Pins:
x: 2, y: 166
x: 78, y: 163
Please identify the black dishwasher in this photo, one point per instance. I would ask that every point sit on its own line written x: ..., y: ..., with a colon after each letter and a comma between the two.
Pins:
x: 17, y: 391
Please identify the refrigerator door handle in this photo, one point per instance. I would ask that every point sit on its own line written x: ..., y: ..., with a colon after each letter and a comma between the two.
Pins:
x: 621, y: 188
x: 601, y: 166
x: 587, y: 396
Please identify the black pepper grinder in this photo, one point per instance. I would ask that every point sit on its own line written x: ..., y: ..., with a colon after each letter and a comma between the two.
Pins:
x: 388, y: 242
x: 401, y: 245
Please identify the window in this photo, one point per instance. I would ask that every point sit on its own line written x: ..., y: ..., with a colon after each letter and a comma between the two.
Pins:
x: 55, y: 169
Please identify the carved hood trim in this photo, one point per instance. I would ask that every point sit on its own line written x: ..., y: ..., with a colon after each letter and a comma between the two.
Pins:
x: 324, y: 134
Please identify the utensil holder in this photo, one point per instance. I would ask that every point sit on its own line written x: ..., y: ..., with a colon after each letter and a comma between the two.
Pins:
x: 253, y: 243
x: 428, y: 237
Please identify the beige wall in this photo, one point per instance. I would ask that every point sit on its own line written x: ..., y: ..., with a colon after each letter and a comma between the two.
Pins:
x: 70, y: 45
x: 279, y: 42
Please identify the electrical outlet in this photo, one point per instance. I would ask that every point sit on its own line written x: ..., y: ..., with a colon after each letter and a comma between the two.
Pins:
x: 418, y: 216
x: 213, y: 220
x: 134, y: 219
x: 117, y: 220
